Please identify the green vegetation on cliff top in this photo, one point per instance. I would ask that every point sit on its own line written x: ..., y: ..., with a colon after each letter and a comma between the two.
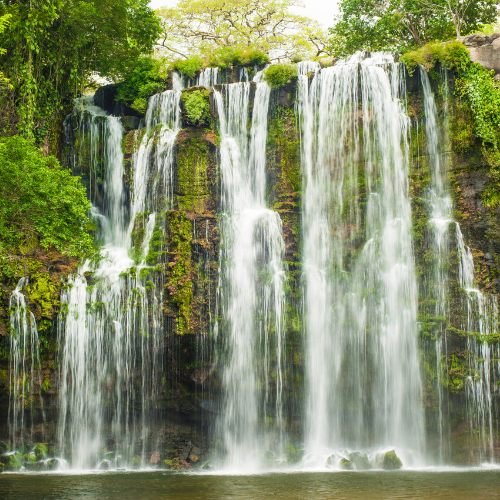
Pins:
x: 475, y: 86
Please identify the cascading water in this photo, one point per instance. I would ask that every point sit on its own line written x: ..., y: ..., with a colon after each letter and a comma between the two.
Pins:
x: 484, y: 374
x: 25, y: 376
x: 110, y: 340
x: 252, y: 279
x: 209, y: 77
x: 439, y: 199
x: 363, y: 379
x: 481, y: 309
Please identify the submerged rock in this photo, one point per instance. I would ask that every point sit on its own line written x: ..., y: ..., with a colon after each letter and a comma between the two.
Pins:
x: 391, y: 461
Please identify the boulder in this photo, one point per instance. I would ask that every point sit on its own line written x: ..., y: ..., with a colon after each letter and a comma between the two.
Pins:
x: 345, y: 464
x: 485, y: 50
x: 391, y: 461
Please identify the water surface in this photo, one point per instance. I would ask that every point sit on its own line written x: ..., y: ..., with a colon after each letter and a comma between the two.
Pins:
x: 456, y: 485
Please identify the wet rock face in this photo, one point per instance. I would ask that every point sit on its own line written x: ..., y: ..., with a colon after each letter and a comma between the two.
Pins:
x: 484, y: 49
x: 105, y: 98
x: 480, y: 225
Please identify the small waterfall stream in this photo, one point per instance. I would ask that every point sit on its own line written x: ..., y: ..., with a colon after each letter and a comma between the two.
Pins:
x: 25, y: 376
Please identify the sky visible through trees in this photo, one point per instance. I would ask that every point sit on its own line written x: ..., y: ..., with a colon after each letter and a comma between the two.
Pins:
x: 319, y: 10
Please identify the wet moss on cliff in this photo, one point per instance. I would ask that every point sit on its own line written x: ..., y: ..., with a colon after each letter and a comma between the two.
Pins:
x: 179, y: 284
x: 195, y: 171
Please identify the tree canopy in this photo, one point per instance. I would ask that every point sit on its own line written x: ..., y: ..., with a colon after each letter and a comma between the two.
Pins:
x: 195, y: 27
x: 52, y: 46
x: 400, y: 25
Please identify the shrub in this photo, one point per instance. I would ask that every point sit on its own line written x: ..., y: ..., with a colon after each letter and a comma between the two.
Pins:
x: 197, y: 107
x: 278, y: 75
x: 453, y: 54
x: 188, y: 67
x: 40, y: 201
x: 237, y: 56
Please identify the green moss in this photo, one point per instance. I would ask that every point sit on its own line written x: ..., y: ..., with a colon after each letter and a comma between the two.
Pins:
x: 192, y: 167
x: 43, y: 291
x: 41, y: 451
x: 180, y: 285
x: 137, y: 236
x: 392, y: 461
x: 278, y: 75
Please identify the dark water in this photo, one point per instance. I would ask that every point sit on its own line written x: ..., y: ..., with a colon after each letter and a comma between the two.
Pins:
x: 457, y: 485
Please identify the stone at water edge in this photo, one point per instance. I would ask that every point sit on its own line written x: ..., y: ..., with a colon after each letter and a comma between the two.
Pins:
x: 345, y: 464
x: 391, y: 461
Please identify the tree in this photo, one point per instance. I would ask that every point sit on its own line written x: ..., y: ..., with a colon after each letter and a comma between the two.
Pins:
x: 465, y: 14
x: 196, y: 27
x: 53, y: 47
x: 400, y: 25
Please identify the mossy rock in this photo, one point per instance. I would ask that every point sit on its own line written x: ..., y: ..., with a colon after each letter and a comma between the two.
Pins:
x: 41, y: 451
x: 345, y: 464
x: 391, y: 461
x: 194, y: 174
x: 360, y: 461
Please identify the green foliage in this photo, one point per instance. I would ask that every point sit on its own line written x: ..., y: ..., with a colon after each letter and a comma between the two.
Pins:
x: 236, y: 56
x: 278, y: 75
x: 40, y: 201
x: 205, y: 26
x: 4, y: 22
x: 222, y: 57
x: 140, y: 82
x: 453, y: 54
x: 476, y: 87
x: 54, y: 46
x: 402, y: 25
x: 189, y: 66
x: 197, y: 106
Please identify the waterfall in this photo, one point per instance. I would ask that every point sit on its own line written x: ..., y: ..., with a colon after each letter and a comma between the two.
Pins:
x: 439, y: 200
x: 25, y: 376
x: 111, y: 337
x: 483, y: 372
x: 363, y: 386
x: 252, y: 283
x: 209, y: 77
